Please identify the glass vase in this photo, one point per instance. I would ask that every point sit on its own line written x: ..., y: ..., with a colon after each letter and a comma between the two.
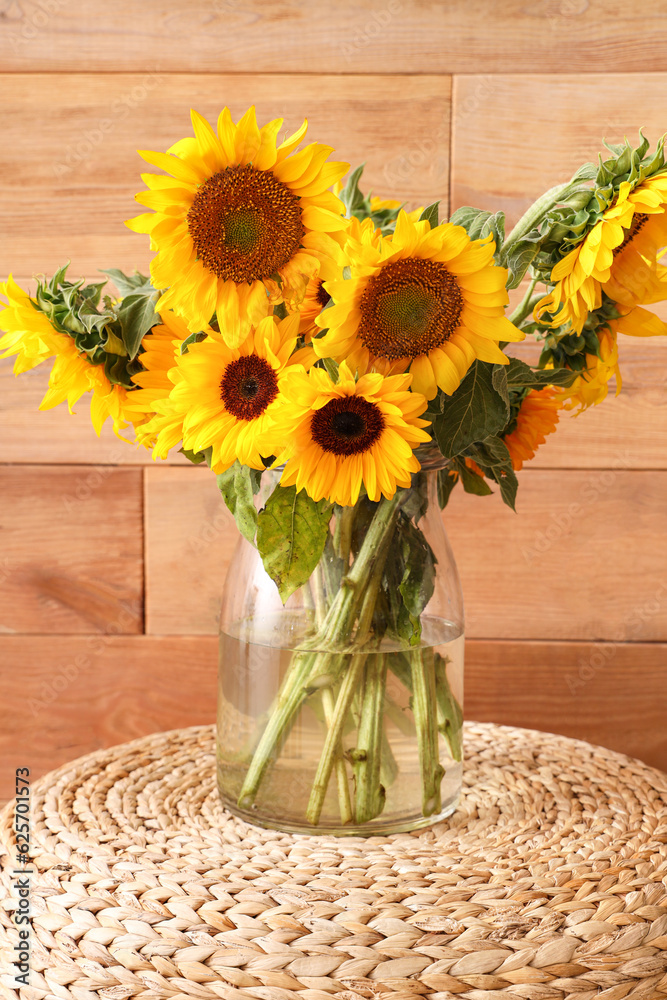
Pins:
x: 340, y: 712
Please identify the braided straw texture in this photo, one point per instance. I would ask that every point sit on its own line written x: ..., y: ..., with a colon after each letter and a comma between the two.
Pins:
x: 550, y: 882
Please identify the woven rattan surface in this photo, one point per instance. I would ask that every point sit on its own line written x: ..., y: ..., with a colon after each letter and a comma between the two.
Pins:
x: 550, y: 882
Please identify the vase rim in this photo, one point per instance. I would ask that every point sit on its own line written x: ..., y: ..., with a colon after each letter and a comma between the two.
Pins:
x: 431, y: 458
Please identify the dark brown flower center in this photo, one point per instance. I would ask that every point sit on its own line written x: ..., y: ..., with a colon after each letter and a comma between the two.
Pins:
x: 245, y: 224
x: 408, y: 308
x: 639, y: 220
x: 322, y: 295
x: 348, y: 425
x: 248, y: 386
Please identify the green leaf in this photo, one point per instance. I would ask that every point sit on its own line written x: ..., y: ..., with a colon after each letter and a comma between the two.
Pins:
x: 499, y: 382
x: 472, y: 483
x: 493, y: 458
x: 291, y: 533
x: 237, y: 488
x: 430, y: 214
x: 331, y: 368
x: 472, y: 219
x: 114, y: 345
x: 474, y: 412
x: 197, y: 457
x: 416, y: 504
x: 351, y: 196
x: 522, y: 376
x: 520, y: 258
x: 418, y: 581
x: 193, y: 338
x: 126, y: 283
x: 447, y: 480
x: 137, y: 315
x: 478, y: 224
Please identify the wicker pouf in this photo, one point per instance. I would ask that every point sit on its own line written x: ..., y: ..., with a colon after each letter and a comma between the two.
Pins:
x: 550, y: 882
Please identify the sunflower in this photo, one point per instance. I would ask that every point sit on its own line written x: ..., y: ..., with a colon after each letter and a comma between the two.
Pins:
x: 619, y: 257
x: 592, y: 385
x: 240, y: 223
x: 227, y: 398
x: 314, y: 301
x: 345, y: 433
x: 430, y: 300
x: 161, y: 351
x: 537, y: 417
x: 33, y: 339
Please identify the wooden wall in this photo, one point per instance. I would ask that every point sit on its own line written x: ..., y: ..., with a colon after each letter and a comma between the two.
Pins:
x: 111, y: 566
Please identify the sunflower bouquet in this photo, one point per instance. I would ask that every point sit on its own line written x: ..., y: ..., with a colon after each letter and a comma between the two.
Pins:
x: 329, y: 354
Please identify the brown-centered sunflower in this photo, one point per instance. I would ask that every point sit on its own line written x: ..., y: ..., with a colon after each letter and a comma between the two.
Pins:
x: 227, y: 398
x: 427, y: 300
x: 241, y: 223
x: 342, y: 434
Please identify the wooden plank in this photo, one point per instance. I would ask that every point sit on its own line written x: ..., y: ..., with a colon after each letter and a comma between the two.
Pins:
x: 190, y: 538
x: 71, y: 544
x: 29, y: 435
x: 613, y: 694
x: 69, y: 169
x: 61, y: 697
x: 514, y: 137
x: 584, y: 558
x: 353, y: 36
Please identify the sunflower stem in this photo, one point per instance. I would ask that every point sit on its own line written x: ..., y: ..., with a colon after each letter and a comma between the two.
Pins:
x: 347, y: 693
x: 292, y: 693
x: 424, y: 709
x: 450, y: 715
x: 342, y: 784
x: 525, y: 306
x: 535, y: 214
x: 367, y: 756
x: 318, y: 667
x: 334, y: 738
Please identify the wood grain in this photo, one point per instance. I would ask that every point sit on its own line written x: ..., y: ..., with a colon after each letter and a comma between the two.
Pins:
x: 514, y: 137
x: 61, y: 697
x: 190, y: 538
x: 613, y: 694
x: 71, y: 544
x: 584, y: 558
x: 311, y: 36
x: 69, y: 170
x: 29, y: 435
